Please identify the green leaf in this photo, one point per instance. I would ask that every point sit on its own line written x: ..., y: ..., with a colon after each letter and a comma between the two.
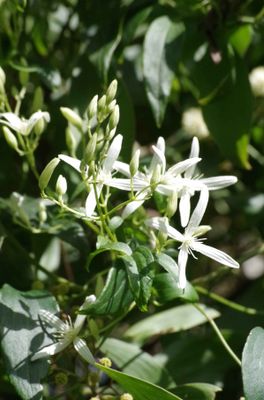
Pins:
x: 139, y: 388
x: 173, y: 320
x: 162, y: 47
x: 103, y: 245
x: 131, y: 359
x: 167, y: 289
x: 253, y: 365
x: 241, y: 38
x: 116, y: 295
x: 140, y: 275
x: 22, y: 335
x: 197, y: 391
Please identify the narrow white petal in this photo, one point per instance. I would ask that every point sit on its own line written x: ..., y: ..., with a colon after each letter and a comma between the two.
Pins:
x: 122, y: 167
x: 199, y: 210
x: 160, y: 158
x: 134, y: 205
x: 160, y: 145
x: 215, y: 254
x: 193, y: 153
x: 90, y: 203
x: 162, y: 225
x: 219, y: 182
x: 125, y: 184
x: 182, y: 166
x: 80, y: 319
x: 185, y: 209
x: 14, y: 121
x: 83, y: 350
x: 51, y: 319
x: 73, y: 162
x: 182, y: 262
x: 113, y: 153
x: 50, y: 350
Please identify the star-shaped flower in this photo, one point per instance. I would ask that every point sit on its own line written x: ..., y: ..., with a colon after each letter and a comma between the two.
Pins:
x: 190, y: 240
x: 22, y: 125
x: 66, y: 333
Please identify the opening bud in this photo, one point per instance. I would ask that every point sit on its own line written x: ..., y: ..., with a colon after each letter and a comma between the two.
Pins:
x: 10, y: 138
x: 61, y: 185
x: 202, y: 230
x: 92, y: 107
x: 72, y: 117
x: 134, y: 163
x: 172, y: 204
x: 114, y: 118
x: 39, y: 126
x: 89, y: 153
x: 111, y: 91
x: 47, y: 173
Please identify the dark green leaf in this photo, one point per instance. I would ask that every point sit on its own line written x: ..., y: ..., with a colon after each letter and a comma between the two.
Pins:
x: 19, y: 325
x: 253, y: 365
x: 197, y: 391
x: 165, y: 36
x: 131, y: 359
x: 140, y: 389
x: 167, y: 289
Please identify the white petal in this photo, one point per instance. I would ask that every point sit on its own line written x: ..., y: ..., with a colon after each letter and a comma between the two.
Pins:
x: 35, y: 118
x: 50, y: 350
x: 113, y: 153
x: 161, y: 144
x: 215, y: 254
x: 83, y: 350
x: 156, y: 159
x: 219, y: 182
x: 160, y: 159
x: 182, y: 166
x: 14, y: 121
x: 193, y: 153
x: 81, y: 317
x: 73, y: 162
x: 125, y: 184
x: 182, y: 262
x: 122, y: 167
x: 162, y: 225
x: 90, y: 203
x: 185, y: 209
x: 199, y: 210
x: 51, y: 319
x: 134, y: 205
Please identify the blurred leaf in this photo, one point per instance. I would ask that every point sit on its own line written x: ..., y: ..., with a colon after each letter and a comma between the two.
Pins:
x: 197, y: 391
x: 167, y: 289
x: 173, y: 320
x: 140, y: 276
x: 241, y: 38
x: 50, y: 258
x: 22, y: 335
x: 138, y: 388
x: 253, y: 365
x: 116, y: 296
x: 132, y: 360
x: 162, y: 47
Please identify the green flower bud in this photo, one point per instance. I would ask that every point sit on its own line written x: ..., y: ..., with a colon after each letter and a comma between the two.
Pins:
x: 114, y: 118
x: 61, y: 378
x: 61, y: 185
x: 172, y: 204
x: 23, y: 77
x: 134, y: 163
x: 72, y: 117
x: 126, y: 396
x: 47, y: 173
x: 39, y: 126
x: 106, y: 362
x: 89, y: 154
x: 2, y: 80
x: 10, y: 138
x: 92, y: 107
x: 38, y: 99
x: 70, y: 140
x: 102, y: 104
x: 111, y: 106
x: 111, y: 91
x: 156, y: 175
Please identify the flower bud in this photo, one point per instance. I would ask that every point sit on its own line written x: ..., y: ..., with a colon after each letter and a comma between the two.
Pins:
x: 89, y: 153
x: 202, y: 230
x: 10, y: 138
x: 70, y: 140
x: 111, y: 106
x: 155, y: 178
x: 23, y: 77
x: 134, y: 163
x: 114, y: 118
x: 42, y: 213
x: 72, y: 117
x: 101, y: 108
x: 61, y: 185
x: 126, y: 396
x: 47, y: 173
x: 256, y: 79
x: 38, y: 99
x: 172, y: 204
x: 2, y: 80
x: 39, y: 126
x: 106, y: 362
x: 92, y: 107
x: 111, y: 91
x: 193, y: 123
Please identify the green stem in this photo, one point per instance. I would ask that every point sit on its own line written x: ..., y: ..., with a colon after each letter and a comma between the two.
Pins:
x: 219, y: 334
x: 228, y: 303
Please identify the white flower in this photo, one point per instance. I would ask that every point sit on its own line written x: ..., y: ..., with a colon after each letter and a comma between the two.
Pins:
x: 256, y: 79
x: 103, y: 176
x: 193, y: 123
x: 189, y: 184
x: 22, y: 125
x: 66, y: 333
x: 190, y: 240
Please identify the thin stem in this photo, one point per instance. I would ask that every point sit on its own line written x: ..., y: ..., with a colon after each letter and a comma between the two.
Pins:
x: 219, y: 334
x: 229, y: 303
